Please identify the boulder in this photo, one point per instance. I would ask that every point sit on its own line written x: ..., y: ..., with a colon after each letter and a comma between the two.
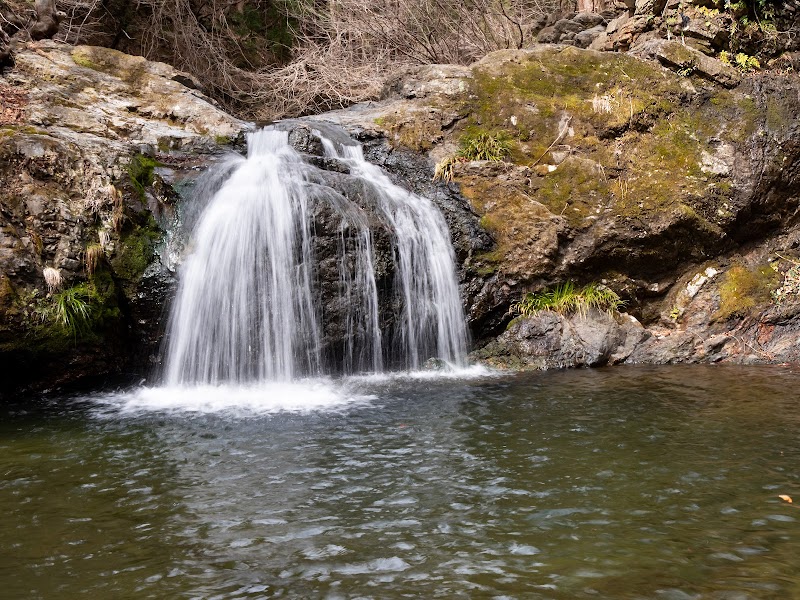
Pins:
x: 674, y: 55
x: 550, y: 340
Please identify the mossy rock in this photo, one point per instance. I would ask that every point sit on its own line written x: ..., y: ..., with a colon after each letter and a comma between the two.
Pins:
x: 744, y: 289
x: 608, y: 139
x: 130, y: 69
x: 141, y: 170
x: 136, y: 249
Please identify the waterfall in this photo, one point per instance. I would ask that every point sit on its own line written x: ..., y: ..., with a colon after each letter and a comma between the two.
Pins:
x: 252, y: 304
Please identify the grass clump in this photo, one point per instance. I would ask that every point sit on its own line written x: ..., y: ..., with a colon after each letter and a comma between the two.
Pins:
x: 474, y: 146
x: 52, y: 278
x: 444, y: 169
x: 566, y: 299
x: 485, y: 146
x: 745, y: 288
x: 72, y: 310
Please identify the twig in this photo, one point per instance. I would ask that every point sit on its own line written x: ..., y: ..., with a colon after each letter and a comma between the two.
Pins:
x: 560, y: 135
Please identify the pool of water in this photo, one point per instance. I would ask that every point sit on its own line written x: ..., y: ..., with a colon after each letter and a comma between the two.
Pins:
x: 640, y: 482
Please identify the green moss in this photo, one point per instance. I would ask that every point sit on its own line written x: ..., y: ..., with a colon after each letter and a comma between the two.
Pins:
x: 222, y: 140
x: 487, y: 263
x: 778, y: 117
x: 9, y: 130
x: 739, y: 113
x: 141, y: 170
x: 574, y: 190
x: 136, y: 251
x: 744, y: 289
x: 600, y: 93
x: 83, y: 60
x: 130, y: 69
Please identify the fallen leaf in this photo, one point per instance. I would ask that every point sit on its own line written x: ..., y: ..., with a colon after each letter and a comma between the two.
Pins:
x: 785, y: 497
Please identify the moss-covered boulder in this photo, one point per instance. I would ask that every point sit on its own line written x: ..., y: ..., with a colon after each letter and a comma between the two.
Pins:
x: 620, y: 169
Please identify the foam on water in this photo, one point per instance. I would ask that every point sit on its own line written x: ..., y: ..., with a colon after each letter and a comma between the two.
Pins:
x: 301, y: 396
x: 448, y: 373
x: 267, y: 398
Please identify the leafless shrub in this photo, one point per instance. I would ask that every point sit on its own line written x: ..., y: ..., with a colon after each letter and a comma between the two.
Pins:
x: 343, y: 49
x: 84, y: 21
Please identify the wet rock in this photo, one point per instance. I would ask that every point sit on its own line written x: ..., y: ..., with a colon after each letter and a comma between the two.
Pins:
x: 550, y: 340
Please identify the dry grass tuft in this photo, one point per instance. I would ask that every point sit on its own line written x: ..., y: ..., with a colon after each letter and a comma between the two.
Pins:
x: 52, y: 277
x: 92, y: 257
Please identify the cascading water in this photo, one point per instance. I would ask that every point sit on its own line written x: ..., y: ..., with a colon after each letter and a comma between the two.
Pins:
x: 250, y: 306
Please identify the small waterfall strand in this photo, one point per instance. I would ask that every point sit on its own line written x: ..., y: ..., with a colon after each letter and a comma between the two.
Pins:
x: 431, y: 323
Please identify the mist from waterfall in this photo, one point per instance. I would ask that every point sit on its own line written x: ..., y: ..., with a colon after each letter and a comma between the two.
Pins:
x: 249, y: 306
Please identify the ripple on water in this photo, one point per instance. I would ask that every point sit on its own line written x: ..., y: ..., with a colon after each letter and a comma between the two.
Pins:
x: 412, y: 488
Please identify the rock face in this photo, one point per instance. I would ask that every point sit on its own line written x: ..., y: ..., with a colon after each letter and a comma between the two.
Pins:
x: 94, y: 146
x: 660, y: 173
x: 620, y: 170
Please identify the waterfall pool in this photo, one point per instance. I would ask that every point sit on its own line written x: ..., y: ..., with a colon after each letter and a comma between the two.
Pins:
x: 630, y: 482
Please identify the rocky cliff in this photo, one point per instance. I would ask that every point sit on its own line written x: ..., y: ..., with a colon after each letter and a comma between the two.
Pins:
x: 666, y: 174
x: 95, y: 146
x: 676, y: 188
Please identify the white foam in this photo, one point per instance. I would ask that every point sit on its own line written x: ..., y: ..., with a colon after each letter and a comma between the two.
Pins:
x: 449, y: 373
x: 264, y: 398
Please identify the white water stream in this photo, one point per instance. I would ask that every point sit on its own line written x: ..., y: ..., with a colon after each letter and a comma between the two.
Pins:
x: 249, y: 306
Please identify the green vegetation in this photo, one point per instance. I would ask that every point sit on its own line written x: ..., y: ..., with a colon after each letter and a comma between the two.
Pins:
x: 136, y: 251
x: 744, y: 62
x: 140, y: 171
x: 745, y: 288
x: 565, y: 299
x: 72, y: 310
x: 130, y: 69
x: 480, y: 145
x: 474, y: 145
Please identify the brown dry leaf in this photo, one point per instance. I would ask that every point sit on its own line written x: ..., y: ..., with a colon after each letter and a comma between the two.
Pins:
x: 785, y: 498
x: 12, y: 104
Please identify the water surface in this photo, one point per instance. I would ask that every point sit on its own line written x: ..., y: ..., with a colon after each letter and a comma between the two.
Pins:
x: 637, y: 482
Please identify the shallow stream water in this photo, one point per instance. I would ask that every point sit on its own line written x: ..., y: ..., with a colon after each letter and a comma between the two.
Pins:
x: 635, y: 482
